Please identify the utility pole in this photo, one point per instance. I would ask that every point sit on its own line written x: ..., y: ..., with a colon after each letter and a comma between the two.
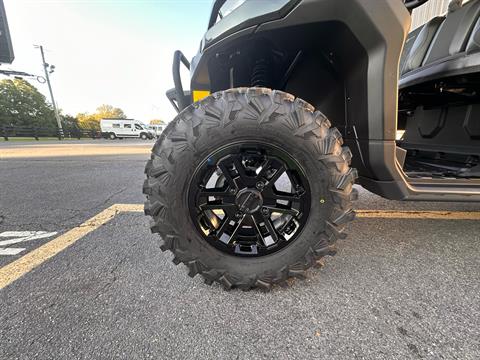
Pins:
x: 46, y: 66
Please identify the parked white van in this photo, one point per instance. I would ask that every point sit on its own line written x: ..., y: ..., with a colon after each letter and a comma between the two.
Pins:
x: 125, y: 128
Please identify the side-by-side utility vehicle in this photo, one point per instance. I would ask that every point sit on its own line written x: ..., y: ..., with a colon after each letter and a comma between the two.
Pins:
x: 293, y: 101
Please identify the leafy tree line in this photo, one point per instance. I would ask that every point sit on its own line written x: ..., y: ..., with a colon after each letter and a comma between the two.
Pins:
x: 92, y: 121
x: 21, y: 104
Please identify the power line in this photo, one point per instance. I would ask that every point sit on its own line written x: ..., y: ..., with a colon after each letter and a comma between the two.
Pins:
x: 22, y: 74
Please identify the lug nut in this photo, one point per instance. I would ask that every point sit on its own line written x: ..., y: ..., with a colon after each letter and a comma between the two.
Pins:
x: 260, y: 185
x: 233, y: 191
x: 238, y: 214
x: 265, y: 211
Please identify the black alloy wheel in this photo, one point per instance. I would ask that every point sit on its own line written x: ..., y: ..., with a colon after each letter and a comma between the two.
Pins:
x: 249, y: 199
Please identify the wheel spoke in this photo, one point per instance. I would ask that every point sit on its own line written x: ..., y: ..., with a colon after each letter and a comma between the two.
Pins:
x: 271, y: 197
x: 222, y: 228
x: 225, y: 171
x: 265, y: 166
x: 271, y: 230
x: 242, y: 179
x: 277, y: 175
x: 258, y: 219
x: 226, y: 207
x: 280, y: 195
x: 222, y: 197
x: 282, y: 210
x: 237, y: 227
x: 214, y: 192
x: 257, y: 225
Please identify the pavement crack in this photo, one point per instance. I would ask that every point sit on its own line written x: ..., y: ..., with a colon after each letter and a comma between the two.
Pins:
x: 65, y: 222
x: 113, y: 278
x: 103, y: 203
x: 107, y: 200
x: 79, y: 212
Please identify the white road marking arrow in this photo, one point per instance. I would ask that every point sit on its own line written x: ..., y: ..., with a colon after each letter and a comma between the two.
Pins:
x: 16, y: 237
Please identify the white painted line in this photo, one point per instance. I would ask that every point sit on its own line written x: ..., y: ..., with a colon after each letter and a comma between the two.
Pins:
x: 17, y: 237
x: 11, y: 251
x: 21, y: 236
x: 16, y: 269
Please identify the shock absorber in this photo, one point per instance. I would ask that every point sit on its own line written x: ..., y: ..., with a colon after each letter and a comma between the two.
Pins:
x: 262, y: 71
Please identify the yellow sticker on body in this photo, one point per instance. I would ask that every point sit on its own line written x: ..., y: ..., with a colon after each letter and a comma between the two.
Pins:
x: 200, y: 94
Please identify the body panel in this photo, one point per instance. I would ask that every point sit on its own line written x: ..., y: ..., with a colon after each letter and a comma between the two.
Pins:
x: 364, y: 48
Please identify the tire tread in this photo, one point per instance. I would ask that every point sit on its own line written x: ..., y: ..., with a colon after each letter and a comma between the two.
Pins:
x: 284, y: 110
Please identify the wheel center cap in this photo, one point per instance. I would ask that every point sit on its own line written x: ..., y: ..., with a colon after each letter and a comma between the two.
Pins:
x: 249, y: 201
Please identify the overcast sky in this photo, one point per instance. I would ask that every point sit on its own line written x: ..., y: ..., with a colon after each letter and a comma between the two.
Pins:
x: 117, y: 52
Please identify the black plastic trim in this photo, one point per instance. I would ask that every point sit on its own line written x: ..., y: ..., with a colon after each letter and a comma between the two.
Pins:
x: 413, y: 4
x: 456, y: 65
x: 6, y: 49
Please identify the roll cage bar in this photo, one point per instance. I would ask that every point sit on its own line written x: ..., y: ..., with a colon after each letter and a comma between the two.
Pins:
x: 412, y: 4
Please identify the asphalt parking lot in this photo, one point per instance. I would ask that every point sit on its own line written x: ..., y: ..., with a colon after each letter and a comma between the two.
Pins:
x: 398, y: 288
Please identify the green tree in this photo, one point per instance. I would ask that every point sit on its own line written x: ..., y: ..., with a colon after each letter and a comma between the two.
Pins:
x: 69, y: 122
x: 108, y: 111
x: 92, y: 121
x: 87, y: 121
x: 21, y: 104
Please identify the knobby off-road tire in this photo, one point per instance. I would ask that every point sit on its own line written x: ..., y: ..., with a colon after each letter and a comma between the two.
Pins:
x: 253, y: 114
